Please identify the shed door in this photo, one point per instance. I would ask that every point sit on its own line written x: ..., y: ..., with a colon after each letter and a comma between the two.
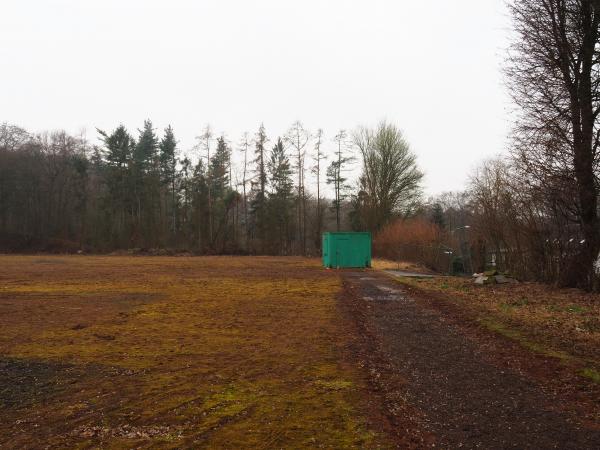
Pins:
x: 343, y: 252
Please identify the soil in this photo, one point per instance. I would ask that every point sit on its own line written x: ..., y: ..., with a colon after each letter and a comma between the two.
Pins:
x: 448, y: 384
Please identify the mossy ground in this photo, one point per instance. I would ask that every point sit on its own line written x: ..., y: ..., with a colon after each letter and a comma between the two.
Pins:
x: 159, y: 352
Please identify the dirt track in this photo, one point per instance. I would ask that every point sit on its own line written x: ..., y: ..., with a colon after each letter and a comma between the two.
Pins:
x: 443, y: 387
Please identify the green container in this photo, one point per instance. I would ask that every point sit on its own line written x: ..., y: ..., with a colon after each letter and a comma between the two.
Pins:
x: 346, y: 250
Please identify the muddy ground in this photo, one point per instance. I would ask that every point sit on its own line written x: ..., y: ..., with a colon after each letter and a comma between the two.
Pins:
x: 462, y: 387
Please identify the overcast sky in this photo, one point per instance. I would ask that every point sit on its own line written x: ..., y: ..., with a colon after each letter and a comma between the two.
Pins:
x: 433, y: 68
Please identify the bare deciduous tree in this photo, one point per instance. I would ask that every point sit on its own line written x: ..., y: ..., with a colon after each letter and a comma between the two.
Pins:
x: 318, y: 157
x: 298, y: 138
x: 204, y: 142
x: 554, y: 75
x: 244, y: 146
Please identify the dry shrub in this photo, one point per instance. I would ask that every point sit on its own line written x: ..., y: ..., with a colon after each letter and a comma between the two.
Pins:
x: 415, y: 240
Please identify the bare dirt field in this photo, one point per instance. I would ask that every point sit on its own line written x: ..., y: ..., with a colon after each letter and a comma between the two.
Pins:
x: 216, y: 352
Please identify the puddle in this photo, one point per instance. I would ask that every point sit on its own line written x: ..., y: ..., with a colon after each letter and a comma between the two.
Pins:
x: 388, y: 289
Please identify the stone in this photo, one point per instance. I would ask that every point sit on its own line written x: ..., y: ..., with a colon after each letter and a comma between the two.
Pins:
x: 481, y: 279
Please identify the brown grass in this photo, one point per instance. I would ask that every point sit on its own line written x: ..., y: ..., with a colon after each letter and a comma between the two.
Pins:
x: 217, y: 352
x: 388, y: 264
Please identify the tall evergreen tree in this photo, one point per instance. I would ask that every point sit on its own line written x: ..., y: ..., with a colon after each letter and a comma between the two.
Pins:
x: 280, y: 202
x: 120, y: 204
x: 168, y: 173
x: 221, y: 193
x: 146, y: 185
x: 219, y: 169
x: 259, y: 186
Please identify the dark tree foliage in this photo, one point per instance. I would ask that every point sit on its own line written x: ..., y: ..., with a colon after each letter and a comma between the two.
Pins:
x: 259, y: 188
x: 59, y: 193
x: 280, y: 199
x: 42, y: 190
x: 168, y: 178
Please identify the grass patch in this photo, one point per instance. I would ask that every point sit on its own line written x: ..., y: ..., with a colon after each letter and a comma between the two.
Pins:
x: 592, y: 374
x: 576, y: 309
x: 515, y: 335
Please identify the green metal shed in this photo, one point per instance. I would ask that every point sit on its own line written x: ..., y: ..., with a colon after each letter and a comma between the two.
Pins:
x: 346, y: 249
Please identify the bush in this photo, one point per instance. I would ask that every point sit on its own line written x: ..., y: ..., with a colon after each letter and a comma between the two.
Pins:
x: 415, y: 240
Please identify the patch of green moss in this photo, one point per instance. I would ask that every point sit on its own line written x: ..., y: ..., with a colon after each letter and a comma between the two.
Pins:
x: 592, y: 374
x: 334, y: 385
x: 576, y: 309
x: 515, y: 335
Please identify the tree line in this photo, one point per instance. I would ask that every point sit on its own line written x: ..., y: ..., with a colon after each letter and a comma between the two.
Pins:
x: 139, y: 191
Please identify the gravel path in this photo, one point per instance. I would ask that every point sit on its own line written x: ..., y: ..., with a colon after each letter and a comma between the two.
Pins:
x: 462, y: 399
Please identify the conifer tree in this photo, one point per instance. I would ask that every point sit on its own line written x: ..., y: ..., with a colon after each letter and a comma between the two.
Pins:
x: 168, y: 171
x: 280, y: 197
x: 117, y: 167
x: 259, y: 186
x: 146, y: 185
x: 221, y: 199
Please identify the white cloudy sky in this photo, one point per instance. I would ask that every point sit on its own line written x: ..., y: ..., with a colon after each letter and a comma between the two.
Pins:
x: 431, y: 67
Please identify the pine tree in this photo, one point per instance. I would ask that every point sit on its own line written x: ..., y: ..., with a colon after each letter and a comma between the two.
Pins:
x: 168, y: 172
x: 280, y: 198
x: 146, y: 185
x: 145, y: 152
x: 219, y: 169
x: 259, y: 186
x: 117, y: 168
x: 222, y: 201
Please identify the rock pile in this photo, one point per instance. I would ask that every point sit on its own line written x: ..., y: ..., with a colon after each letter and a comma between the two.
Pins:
x: 493, y: 277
